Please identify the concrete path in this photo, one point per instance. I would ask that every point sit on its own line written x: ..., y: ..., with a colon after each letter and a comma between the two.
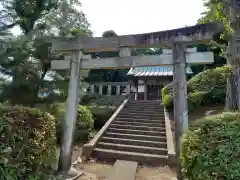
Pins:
x: 123, y: 170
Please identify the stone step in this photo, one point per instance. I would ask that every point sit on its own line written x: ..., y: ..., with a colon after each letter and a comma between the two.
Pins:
x: 143, y: 113
x: 145, y: 102
x: 137, y: 132
x: 160, y: 124
x: 140, y: 116
x: 141, y: 120
x: 148, y: 107
x: 142, y: 158
x: 132, y: 148
x: 138, y: 127
x: 134, y: 142
x: 136, y: 136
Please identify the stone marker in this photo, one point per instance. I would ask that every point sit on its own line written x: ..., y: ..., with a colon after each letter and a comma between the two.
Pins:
x: 123, y: 170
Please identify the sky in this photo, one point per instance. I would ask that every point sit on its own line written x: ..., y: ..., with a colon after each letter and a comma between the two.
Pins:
x: 140, y: 16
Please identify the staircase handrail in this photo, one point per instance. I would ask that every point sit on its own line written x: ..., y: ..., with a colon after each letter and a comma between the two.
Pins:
x: 87, y: 148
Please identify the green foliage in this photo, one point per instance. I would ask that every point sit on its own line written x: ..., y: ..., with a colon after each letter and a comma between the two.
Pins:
x: 87, y: 99
x: 195, y: 99
x: 217, y: 11
x: 168, y: 100
x: 44, y: 176
x: 84, y: 123
x: 101, y: 114
x: 27, y: 59
x: 210, y: 150
x: 28, y: 142
x: 207, y: 87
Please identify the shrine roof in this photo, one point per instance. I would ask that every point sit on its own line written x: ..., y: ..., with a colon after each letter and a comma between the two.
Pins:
x: 155, y: 71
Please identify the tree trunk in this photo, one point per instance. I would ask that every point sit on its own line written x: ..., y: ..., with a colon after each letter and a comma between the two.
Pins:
x: 233, y: 88
x: 233, y: 81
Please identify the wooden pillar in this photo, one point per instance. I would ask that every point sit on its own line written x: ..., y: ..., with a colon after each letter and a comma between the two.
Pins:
x: 180, y: 98
x: 118, y: 90
x: 136, y: 87
x: 145, y: 90
x: 68, y: 125
x: 100, y: 89
x: 109, y: 90
x: 92, y: 89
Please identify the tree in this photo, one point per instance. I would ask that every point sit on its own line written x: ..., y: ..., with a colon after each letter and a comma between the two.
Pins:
x: 30, y: 51
x: 18, y: 61
x: 226, y: 12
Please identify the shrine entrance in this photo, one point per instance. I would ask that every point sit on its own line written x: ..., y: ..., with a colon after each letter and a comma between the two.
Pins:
x: 177, y: 39
x: 154, y: 92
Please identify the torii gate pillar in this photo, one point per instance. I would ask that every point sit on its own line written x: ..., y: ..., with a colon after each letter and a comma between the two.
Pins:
x: 180, y: 98
x: 71, y: 113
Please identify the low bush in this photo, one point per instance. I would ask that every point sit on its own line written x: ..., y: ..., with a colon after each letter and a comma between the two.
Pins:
x: 27, y: 142
x: 87, y: 99
x: 210, y: 150
x: 84, y: 123
x: 101, y: 114
x: 207, y: 87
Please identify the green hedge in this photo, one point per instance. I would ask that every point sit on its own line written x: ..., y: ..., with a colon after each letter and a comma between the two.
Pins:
x: 205, y: 88
x: 28, y: 142
x: 210, y: 150
x: 84, y: 123
x: 87, y: 99
x: 101, y: 114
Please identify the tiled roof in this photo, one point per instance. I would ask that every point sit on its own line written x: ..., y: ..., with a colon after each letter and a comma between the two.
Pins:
x: 154, y: 71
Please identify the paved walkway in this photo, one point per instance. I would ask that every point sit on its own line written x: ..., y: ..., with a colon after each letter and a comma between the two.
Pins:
x: 123, y: 170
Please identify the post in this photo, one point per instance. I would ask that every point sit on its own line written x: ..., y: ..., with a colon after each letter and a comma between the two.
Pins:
x: 128, y: 89
x: 145, y: 89
x: 68, y: 126
x: 118, y: 90
x: 136, y: 87
x: 109, y: 90
x: 92, y: 88
x: 180, y: 99
x: 100, y: 89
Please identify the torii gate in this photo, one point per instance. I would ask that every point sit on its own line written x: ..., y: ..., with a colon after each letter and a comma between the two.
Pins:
x: 178, y: 39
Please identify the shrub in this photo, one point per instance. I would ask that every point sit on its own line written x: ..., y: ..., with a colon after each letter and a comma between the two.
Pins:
x: 101, y: 114
x: 211, y: 148
x: 87, y: 99
x: 207, y: 87
x: 28, y: 142
x: 195, y: 99
x: 84, y: 123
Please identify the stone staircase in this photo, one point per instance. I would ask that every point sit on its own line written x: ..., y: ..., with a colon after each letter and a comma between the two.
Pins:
x: 138, y: 133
